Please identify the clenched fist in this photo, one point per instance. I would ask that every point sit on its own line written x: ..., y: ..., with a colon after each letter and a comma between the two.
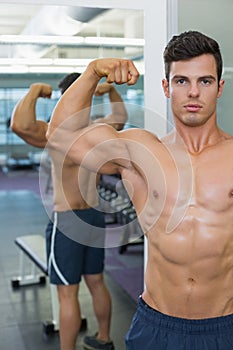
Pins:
x: 116, y: 70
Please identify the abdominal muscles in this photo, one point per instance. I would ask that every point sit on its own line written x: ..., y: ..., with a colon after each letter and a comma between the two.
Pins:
x: 190, y: 270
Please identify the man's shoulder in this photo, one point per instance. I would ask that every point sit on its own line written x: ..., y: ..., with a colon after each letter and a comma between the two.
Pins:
x: 228, y: 142
x: 138, y: 134
x: 225, y: 135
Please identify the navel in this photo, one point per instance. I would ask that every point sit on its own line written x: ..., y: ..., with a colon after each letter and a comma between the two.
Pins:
x: 231, y: 193
x: 191, y: 280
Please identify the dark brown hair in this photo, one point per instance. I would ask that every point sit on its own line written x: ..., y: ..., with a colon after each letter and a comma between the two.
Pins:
x: 67, y: 81
x: 188, y: 45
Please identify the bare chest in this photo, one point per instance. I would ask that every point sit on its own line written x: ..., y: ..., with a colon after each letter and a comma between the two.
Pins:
x: 204, y: 182
x: 193, y: 189
x: 212, y: 183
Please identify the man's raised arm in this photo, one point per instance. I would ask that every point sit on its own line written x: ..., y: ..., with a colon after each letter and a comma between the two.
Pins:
x: 23, y: 120
x: 68, y: 129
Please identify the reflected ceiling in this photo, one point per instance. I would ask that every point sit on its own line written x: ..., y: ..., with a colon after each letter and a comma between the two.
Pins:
x: 66, y: 38
x: 70, y: 21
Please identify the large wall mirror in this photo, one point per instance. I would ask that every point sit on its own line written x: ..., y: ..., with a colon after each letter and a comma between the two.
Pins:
x: 133, y: 20
x: 40, y: 42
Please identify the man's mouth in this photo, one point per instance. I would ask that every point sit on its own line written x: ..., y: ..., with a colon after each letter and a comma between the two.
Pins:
x: 193, y: 107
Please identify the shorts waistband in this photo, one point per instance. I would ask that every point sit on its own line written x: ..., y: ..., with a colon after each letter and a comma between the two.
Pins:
x: 222, y: 324
x: 84, y: 210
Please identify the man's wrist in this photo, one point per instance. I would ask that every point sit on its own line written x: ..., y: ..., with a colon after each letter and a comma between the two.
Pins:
x: 92, y: 71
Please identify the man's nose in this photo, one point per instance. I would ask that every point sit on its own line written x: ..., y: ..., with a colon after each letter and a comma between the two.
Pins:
x: 194, y: 90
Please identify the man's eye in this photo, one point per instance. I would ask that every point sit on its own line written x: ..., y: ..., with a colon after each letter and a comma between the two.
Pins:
x: 205, y: 81
x: 180, y: 81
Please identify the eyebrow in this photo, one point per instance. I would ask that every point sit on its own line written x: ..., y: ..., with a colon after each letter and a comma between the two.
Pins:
x: 199, y: 78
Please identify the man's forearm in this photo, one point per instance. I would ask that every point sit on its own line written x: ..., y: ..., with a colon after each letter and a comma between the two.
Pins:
x: 74, y: 105
x: 118, y: 107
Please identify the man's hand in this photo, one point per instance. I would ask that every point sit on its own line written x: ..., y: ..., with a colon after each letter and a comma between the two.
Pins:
x: 43, y: 90
x: 119, y: 71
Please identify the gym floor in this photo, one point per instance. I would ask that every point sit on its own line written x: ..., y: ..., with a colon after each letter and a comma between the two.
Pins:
x: 24, y: 310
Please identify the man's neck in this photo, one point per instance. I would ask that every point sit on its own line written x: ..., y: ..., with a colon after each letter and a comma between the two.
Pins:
x: 198, y: 138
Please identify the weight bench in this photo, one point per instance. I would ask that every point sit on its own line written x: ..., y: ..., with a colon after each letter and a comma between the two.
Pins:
x: 33, y: 251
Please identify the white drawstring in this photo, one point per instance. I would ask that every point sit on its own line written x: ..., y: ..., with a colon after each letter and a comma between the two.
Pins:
x: 52, y: 260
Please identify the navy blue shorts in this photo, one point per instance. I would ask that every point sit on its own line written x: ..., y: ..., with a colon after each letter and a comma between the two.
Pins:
x: 152, y: 330
x: 68, y: 259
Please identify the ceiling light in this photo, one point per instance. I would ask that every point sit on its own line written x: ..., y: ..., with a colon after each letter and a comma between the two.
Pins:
x: 50, y: 69
x: 71, y: 61
x: 49, y: 65
x: 110, y: 41
x: 26, y: 61
x: 43, y: 65
x: 41, y: 39
x: 70, y: 40
x: 15, y: 69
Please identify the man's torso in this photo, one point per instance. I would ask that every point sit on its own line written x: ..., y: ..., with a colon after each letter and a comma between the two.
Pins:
x: 185, y: 206
x: 74, y: 187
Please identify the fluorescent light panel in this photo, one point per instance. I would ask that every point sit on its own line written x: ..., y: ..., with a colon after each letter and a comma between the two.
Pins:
x: 44, y: 61
x: 70, y: 40
x: 43, y: 65
x: 19, y: 69
x: 40, y: 39
x: 109, y: 41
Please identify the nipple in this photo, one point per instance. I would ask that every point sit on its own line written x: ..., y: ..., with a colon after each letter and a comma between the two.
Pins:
x: 155, y: 194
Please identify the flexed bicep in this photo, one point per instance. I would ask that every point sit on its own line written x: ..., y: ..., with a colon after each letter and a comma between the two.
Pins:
x: 97, y: 148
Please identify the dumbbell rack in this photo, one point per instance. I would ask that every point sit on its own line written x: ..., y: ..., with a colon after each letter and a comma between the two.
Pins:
x: 118, y: 208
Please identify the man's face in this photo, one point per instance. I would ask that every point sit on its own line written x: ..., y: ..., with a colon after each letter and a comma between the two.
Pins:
x: 193, y: 89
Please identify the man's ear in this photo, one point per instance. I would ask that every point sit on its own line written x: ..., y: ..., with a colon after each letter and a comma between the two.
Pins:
x: 220, y: 89
x: 165, y: 85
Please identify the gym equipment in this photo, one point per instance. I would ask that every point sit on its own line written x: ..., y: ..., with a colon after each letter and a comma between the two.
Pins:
x: 132, y: 233
x: 118, y: 208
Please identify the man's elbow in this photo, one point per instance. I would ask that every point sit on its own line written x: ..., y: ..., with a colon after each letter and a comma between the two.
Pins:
x: 119, y: 126
x: 121, y: 122
x: 16, y: 127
